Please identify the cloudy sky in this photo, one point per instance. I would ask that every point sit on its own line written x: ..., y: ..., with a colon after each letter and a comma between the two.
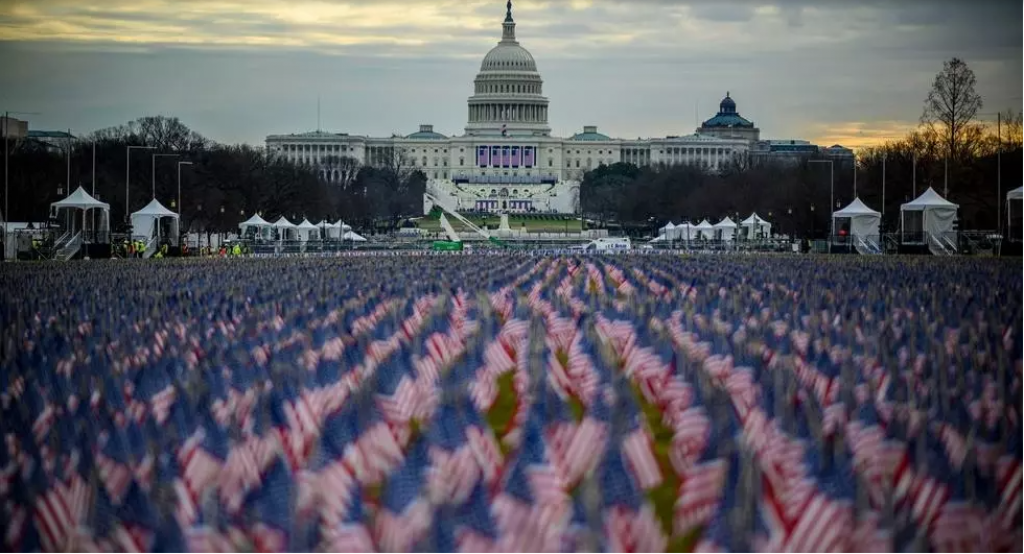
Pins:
x: 853, y: 72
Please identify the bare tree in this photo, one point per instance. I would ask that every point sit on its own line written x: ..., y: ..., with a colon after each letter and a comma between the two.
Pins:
x: 165, y: 133
x: 950, y: 109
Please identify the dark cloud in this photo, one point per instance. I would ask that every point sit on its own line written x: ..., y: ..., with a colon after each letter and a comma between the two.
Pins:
x: 641, y: 67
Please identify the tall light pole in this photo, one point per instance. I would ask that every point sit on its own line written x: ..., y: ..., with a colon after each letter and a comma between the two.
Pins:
x: 179, y: 185
x: 153, y: 167
x: 999, y: 176
x: 7, y: 134
x: 855, y: 175
x: 832, y: 188
x: 884, y: 157
x: 128, y: 176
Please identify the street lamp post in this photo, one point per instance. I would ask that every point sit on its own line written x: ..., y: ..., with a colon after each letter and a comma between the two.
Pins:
x: 832, y: 188
x: 153, y: 169
x: 179, y: 185
x: 128, y: 176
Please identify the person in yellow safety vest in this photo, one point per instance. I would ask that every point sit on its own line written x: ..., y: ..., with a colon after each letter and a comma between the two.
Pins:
x: 142, y: 249
x: 162, y: 252
x: 237, y: 250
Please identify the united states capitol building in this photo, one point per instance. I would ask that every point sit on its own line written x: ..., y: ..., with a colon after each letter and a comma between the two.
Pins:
x: 507, y: 161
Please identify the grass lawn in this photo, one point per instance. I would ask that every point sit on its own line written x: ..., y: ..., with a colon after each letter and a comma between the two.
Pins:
x: 534, y: 224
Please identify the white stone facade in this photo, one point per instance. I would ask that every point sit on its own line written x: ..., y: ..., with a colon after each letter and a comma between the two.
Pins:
x: 506, y: 159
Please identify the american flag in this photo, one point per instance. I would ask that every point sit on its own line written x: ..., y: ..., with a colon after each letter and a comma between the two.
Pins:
x: 629, y: 522
x: 635, y: 440
x: 453, y: 471
x: 349, y: 534
x: 272, y: 506
x: 405, y: 514
x: 699, y: 493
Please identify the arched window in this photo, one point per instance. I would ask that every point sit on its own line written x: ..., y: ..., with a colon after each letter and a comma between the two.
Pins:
x: 462, y: 162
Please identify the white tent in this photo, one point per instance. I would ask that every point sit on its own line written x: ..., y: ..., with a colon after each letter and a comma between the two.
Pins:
x: 929, y: 218
x: 260, y: 226
x: 81, y: 200
x: 146, y: 222
x: 351, y: 236
x: 756, y: 226
x: 667, y: 228
x: 725, y: 229
x: 1015, y: 194
x: 863, y: 220
x: 286, y: 228
x: 683, y: 231
x: 306, y: 230
x: 705, y: 230
x: 335, y: 230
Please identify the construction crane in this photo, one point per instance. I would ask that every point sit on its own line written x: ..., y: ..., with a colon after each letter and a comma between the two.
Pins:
x: 454, y: 243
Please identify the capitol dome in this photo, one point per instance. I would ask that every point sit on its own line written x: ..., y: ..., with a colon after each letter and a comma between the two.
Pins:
x: 728, y: 105
x: 508, y: 57
x: 508, y: 95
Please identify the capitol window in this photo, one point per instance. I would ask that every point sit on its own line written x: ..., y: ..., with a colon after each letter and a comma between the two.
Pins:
x: 462, y: 161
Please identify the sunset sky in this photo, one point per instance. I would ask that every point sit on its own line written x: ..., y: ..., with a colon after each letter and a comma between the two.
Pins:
x: 849, y: 72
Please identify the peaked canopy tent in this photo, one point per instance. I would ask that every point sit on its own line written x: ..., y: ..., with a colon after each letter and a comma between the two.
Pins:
x: 725, y: 229
x: 286, y: 229
x: 146, y: 222
x: 667, y: 228
x: 683, y: 231
x: 260, y: 227
x: 336, y: 230
x: 354, y: 237
x: 926, y: 218
x: 307, y: 231
x: 756, y: 226
x: 860, y: 220
x: 84, y: 202
x: 705, y: 230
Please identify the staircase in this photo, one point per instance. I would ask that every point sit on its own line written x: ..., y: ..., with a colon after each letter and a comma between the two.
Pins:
x: 941, y: 246
x: 866, y: 246
x: 150, y: 248
x: 67, y: 246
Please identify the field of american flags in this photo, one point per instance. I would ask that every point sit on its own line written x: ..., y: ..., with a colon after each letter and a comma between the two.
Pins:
x: 476, y: 403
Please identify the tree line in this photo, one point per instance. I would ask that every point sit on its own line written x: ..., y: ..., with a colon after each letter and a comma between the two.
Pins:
x: 951, y: 151
x: 224, y: 185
